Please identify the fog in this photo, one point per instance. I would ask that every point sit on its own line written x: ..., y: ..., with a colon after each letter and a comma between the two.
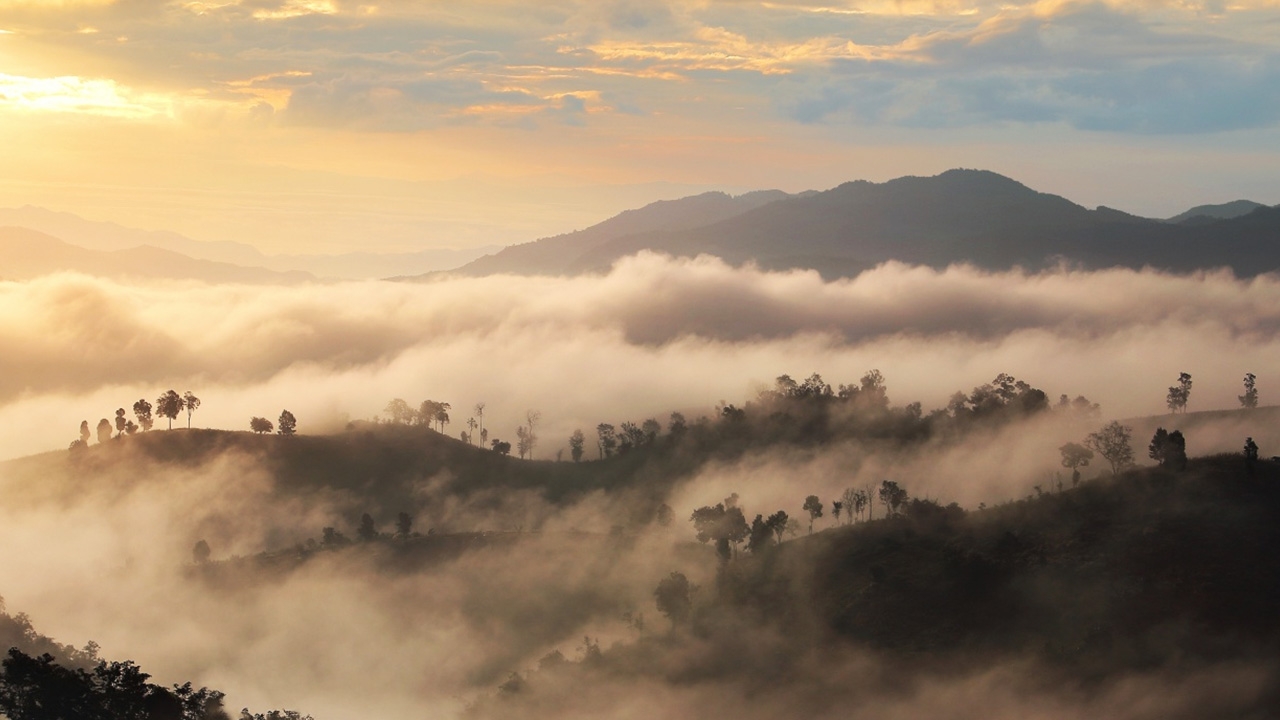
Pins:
x: 106, y: 546
x: 653, y: 335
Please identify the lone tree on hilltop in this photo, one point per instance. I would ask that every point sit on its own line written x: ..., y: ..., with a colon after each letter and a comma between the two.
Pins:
x: 142, y: 411
x: 191, y: 402
x: 813, y: 506
x: 288, y: 423
x: 1179, y: 394
x: 1112, y: 443
x: 260, y: 425
x: 1075, y: 456
x: 1250, y: 397
x: 674, y: 598
x: 169, y: 405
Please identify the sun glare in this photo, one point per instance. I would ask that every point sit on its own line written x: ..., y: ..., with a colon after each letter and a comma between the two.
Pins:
x: 71, y: 94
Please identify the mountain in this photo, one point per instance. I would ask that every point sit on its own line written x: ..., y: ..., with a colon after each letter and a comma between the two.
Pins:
x: 28, y: 254
x: 558, y: 254
x: 1225, y: 211
x: 106, y: 236
x: 971, y: 216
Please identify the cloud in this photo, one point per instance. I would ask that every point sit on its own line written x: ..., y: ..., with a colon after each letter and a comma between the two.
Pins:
x: 652, y: 336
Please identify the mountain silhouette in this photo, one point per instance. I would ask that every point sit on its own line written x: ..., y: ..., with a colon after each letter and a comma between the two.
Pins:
x: 959, y: 216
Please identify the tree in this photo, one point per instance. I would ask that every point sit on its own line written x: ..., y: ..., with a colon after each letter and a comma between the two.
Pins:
x: 632, y: 434
x: 724, y: 525
x: 1250, y: 452
x: 399, y: 412
x: 837, y: 507
x: 442, y: 414
x: 759, y: 535
x: 1075, y: 456
x: 201, y: 552
x: 892, y: 497
x: 169, y: 405
x: 367, y: 530
x: 404, y: 524
x: 608, y: 439
x: 778, y: 523
x: 484, y: 436
x: 191, y: 402
x: 1179, y: 394
x: 1250, y: 397
x: 478, y: 410
x: 677, y: 427
x: 287, y: 423
x: 1112, y: 443
x: 501, y: 447
x: 524, y: 441
x: 142, y: 411
x: 576, y: 442
x: 122, y: 423
x: 674, y: 597
x: 650, y: 428
x: 813, y: 506
x: 471, y: 427
x: 104, y: 430
x: 84, y: 432
x: 1169, y: 449
x: 260, y: 425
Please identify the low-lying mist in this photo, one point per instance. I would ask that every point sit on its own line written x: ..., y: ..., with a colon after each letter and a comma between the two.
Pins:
x: 653, y: 335
x: 106, y: 538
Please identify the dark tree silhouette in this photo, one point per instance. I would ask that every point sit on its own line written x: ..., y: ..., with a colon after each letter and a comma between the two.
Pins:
x: 84, y: 432
x: 576, y: 442
x: 367, y: 530
x: 1250, y: 397
x: 665, y: 515
x: 471, y: 428
x: 404, y: 524
x: 142, y: 411
x: 1075, y: 456
x: 331, y: 538
x: 760, y: 535
x: 651, y: 428
x: 201, y: 552
x: 169, y: 405
x: 677, y: 427
x: 778, y: 523
x: 1169, y: 449
x: 892, y: 497
x: 1250, y: 452
x: 501, y: 446
x: 191, y: 403
x: 104, y: 430
x: 813, y: 506
x: 1112, y: 443
x: 287, y: 423
x: 608, y: 439
x: 674, y: 598
x: 725, y: 526
x: 1179, y: 394
x: 122, y: 423
x: 260, y: 425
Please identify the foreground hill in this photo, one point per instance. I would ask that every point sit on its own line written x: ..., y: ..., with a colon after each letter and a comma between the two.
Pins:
x: 959, y: 216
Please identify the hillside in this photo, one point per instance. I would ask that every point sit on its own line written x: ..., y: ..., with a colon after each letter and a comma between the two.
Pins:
x: 1222, y: 211
x: 959, y: 216
x: 28, y: 254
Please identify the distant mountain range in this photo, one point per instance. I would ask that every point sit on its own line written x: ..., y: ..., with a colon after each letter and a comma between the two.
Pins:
x: 28, y: 254
x: 971, y: 216
x: 110, y: 237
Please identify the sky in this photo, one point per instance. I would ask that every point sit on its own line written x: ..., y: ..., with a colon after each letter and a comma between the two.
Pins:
x: 326, y: 126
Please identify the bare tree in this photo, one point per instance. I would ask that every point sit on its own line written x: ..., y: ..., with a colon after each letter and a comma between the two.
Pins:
x: 1112, y: 443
